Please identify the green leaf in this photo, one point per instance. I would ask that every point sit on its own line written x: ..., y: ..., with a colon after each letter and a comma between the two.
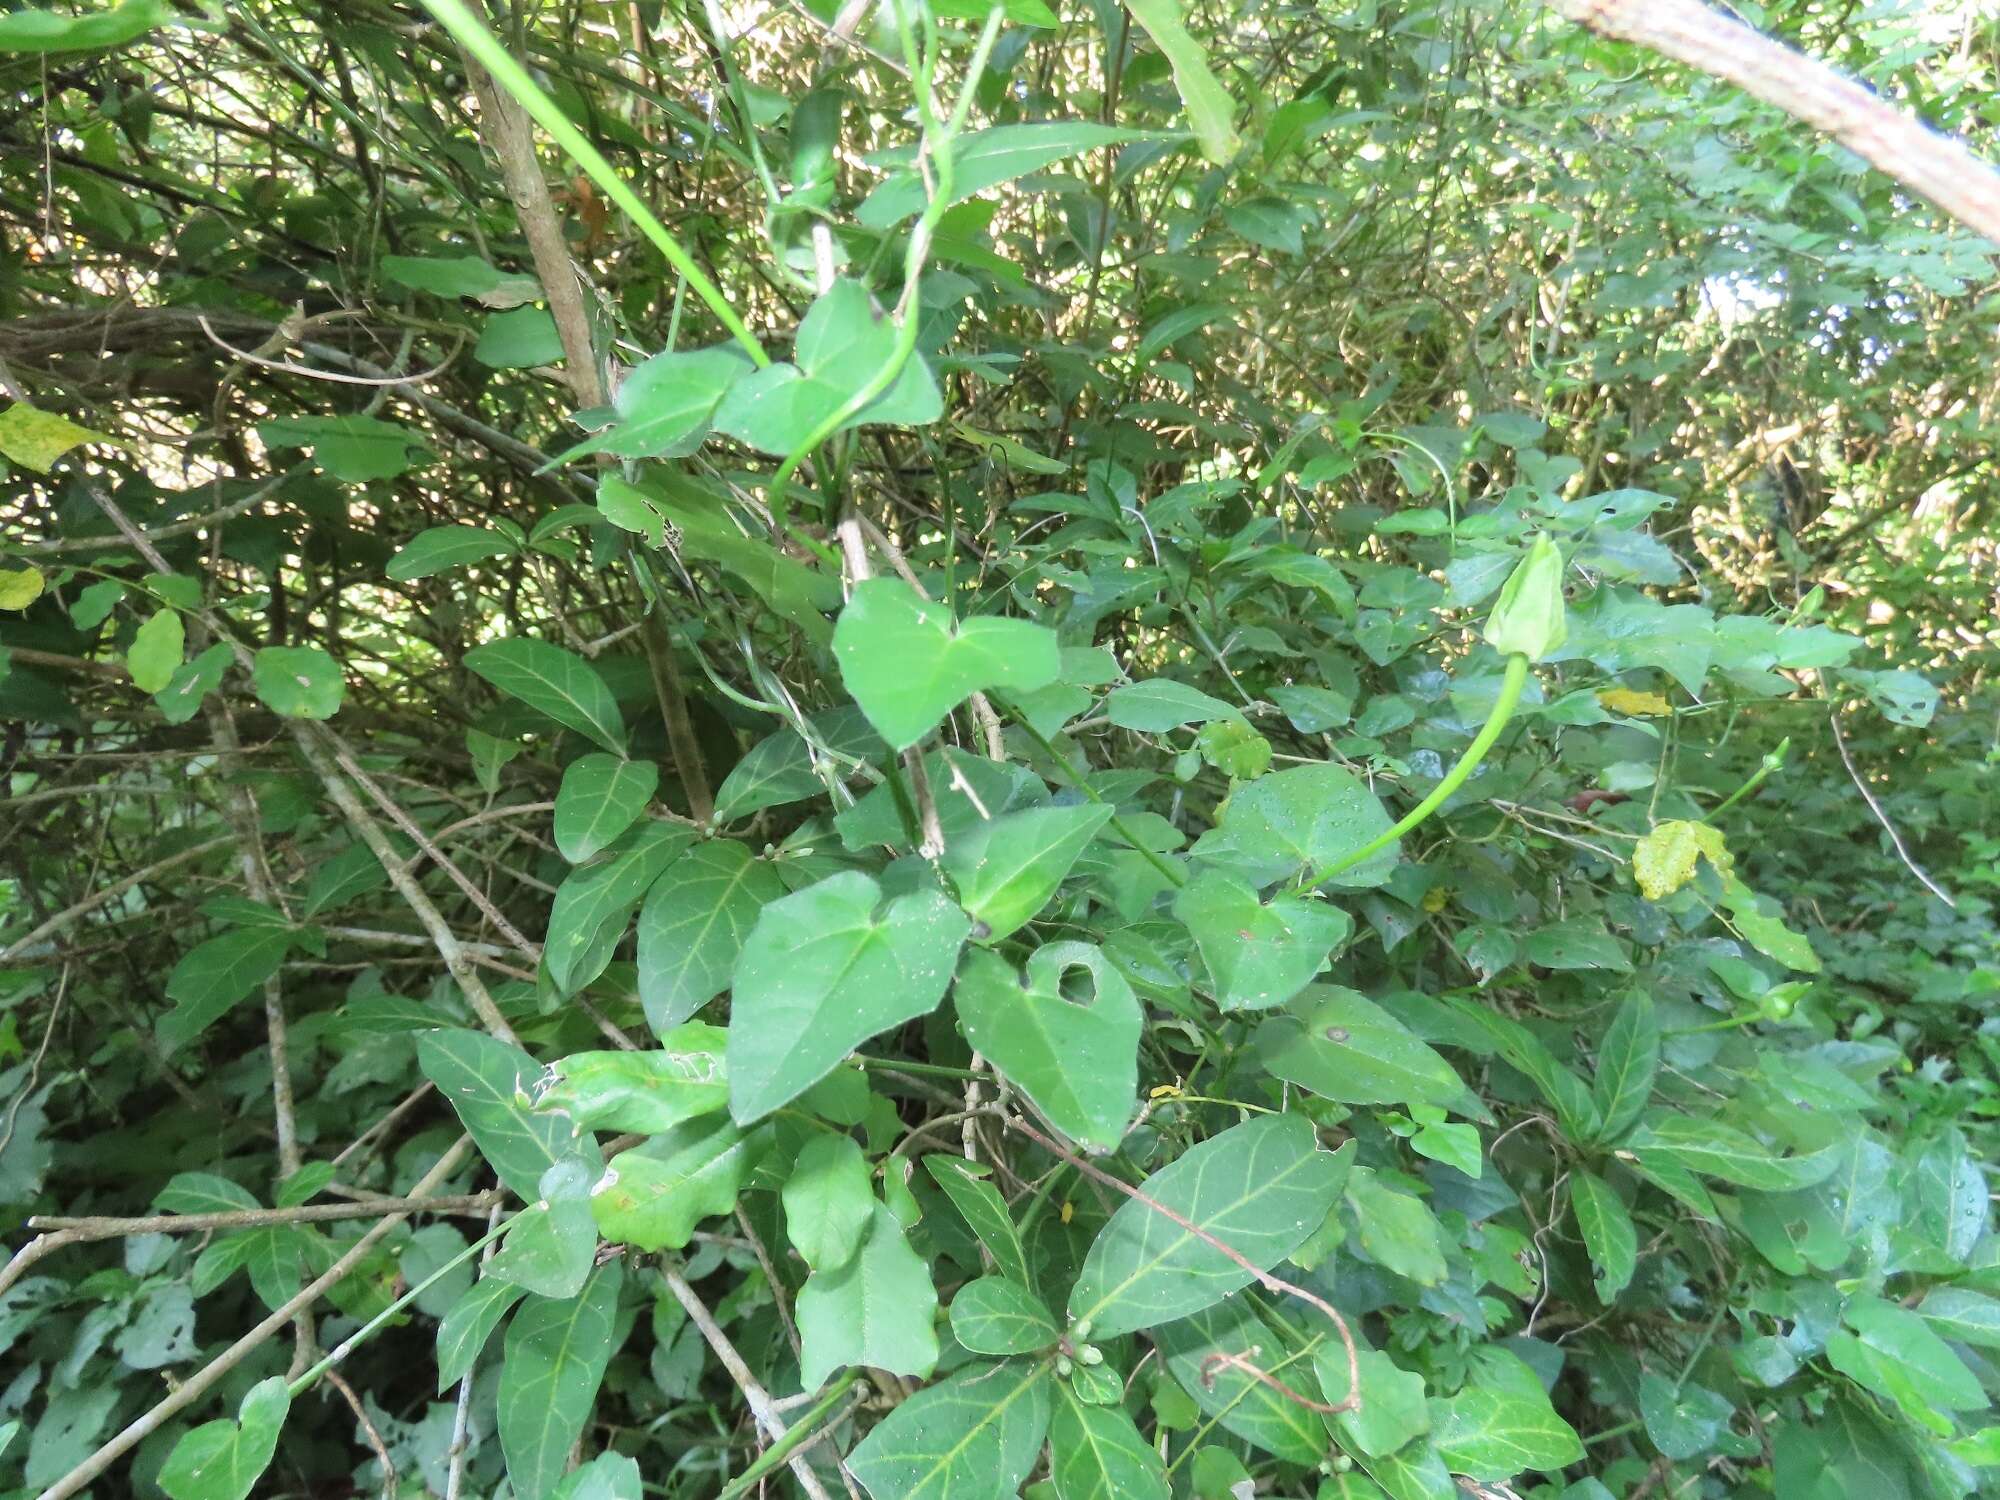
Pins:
x: 1608, y: 1233
x: 1259, y: 954
x: 1210, y: 109
x: 708, y: 530
x: 652, y: 1196
x: 352, y: 449
x: 972, y: 1436
x: 298, y: 682
x: 997, y: 1315
x: 908, y: 663
x: 594, y: 904
x: 463, y: 1332
x: 1007, y: 869
x: 823, y: 970
x: 1343, y: 1046
x: 554, y: 682
x: 519, y: 339
x: 553, y: 1243
x: 664, y: 405
x: 180, y: 699
x: 1967, y: 1317
x: 1393, y: 1410
x: 1494, y: 1432
x: 843, y: 341
x: 490, y: 1085
x: 1626, y: 1064
x: 1240, y: 1402
x: 442, y: 547
x: 878, y: 1309
x: 1097, y: 1453
x: 1273, y: 223
x: 156, y: 651
x: 556, y: 1352
x: 982, y: 1207
x: 983, y: 159
x: 212, y: 977
x: 1395, y: 1230
x: 779, y: 769
x: 829, y: 1201
x: 693, y: 926
x: 1286, y: 822
x: 647, y: 1091
x: 1260, y: 1187
x: 1078, y: 1062
x: 1767, y: 934
x: 1895, y: 1354
x: 30, y: 437
x: 601, y: 796
x: 442, y: 275
x: 1718, y: 1150
x: 224, y: 1460
x: 1682, y: 1420
x: 1160, y: 704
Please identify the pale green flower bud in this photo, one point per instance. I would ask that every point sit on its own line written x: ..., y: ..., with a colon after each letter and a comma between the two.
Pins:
x: 1529, y: 621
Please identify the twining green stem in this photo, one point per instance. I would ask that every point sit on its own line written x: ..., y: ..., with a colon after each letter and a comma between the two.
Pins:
x: 1153, y: 857
x: 348, y: 1345
x: 1503, y: 710
x: 938, y: 143
x: 799, y: 1433
x: 484, y: 49
x: 1769, y: 764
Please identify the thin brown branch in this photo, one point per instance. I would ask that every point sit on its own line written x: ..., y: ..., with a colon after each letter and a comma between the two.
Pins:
x: 197, y: 1385
x: 1271, y: 1283
x: 1937, y: 167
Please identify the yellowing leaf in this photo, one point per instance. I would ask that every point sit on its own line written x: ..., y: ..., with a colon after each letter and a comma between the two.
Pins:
x: 35, y: 439
x: 1636, y: 704
x: 19, y: 587
x: 1664, y: 859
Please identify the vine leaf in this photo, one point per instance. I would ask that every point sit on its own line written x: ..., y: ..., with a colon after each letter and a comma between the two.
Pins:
x: 973, y: 1436
x: 825, y: 969
x: 553, y: 682
x: 556, y: 1352
x: 908, y: 663
x: 1077, y: 1062
x: 224, y: 1460
x: 1260, y: 1188
x: 879, y: 1309
x: 490, y: 1084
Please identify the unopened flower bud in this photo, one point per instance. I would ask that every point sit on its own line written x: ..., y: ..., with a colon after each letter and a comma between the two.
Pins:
x: 1529, y: 621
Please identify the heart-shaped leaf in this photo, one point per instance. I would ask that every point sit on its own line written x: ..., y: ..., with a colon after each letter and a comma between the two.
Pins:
x: 1008, y: 867
x: 1078, y: 1063
x: 825, y: 969
x: 665, y: 404
x: 908, y: 663
x: 843, y: 342
x: 1259, y: 953
x: 224, y: 1460
x: 878, y: 1309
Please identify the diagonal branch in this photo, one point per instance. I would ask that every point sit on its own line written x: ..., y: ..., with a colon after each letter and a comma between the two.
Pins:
x: 1937, y: 167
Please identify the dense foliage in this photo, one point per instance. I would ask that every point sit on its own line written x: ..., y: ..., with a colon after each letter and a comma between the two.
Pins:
x: 1089, y: 751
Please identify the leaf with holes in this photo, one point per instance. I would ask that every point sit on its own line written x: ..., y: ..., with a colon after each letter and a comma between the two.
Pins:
x: 1077, y: 1061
